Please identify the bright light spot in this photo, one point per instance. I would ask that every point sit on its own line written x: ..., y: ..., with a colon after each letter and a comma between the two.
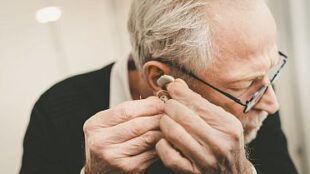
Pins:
x: 48, y: 14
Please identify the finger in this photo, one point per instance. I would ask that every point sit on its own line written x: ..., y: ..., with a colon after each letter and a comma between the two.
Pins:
x: 131, y: 129
x: 191, y: 122
x: 128, y: 111
x: 139, y: 144
x: 141, y: 162
x: 182, y: 140
x: 172, y: 159
x: 211, y: 113
x: 179, y: 90
x: 211, y: 139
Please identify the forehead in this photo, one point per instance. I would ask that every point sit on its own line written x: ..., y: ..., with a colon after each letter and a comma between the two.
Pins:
x: 243, y: 36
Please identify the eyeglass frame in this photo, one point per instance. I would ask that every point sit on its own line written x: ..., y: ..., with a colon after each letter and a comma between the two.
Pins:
x: 248, y: 105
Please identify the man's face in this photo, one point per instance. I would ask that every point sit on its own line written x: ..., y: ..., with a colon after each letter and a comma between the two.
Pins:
x: 244, y: 50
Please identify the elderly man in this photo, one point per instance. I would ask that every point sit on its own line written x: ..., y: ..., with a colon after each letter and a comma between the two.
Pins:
x: 224, y: 58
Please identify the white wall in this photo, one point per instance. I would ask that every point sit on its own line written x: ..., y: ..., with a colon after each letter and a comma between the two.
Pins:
x: 93, y: 33
x: 300, y: 42
x: 293, y: 89
x: 34, y: 56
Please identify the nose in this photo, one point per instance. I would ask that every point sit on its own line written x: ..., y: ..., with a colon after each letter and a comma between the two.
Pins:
x: 268, y: 102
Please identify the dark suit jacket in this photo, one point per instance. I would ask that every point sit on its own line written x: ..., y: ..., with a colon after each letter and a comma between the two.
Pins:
x: 54, y: 140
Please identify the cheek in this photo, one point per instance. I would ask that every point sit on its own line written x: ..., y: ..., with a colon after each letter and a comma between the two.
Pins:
x: 222, y: 101
x: 209, y: 94
x: 218, y: 99
x: 253, y: 116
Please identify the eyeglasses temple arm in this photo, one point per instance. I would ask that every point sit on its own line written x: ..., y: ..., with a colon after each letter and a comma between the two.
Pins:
x: 185, y: 71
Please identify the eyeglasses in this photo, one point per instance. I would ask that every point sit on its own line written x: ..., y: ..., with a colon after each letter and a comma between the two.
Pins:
x: 248, y: 105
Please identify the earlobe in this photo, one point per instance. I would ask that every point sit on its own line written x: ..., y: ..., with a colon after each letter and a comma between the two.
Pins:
x: 153, y: 70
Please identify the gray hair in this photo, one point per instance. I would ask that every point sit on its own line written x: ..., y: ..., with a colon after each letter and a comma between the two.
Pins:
x: 171, y: 29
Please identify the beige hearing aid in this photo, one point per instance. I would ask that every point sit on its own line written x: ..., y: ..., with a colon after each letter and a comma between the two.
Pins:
x: 162, y: 81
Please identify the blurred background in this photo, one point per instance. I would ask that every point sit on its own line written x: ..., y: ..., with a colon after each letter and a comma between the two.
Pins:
x: 45, y: 41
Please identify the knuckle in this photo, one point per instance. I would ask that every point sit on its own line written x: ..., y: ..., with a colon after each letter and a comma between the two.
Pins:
x: 226, y: 152
x: 149, y: 139
x: 221, y: 150
x: 94, y: 145
x: 123, y: 110
x: 108, y: 156
x: 126, y: 167
x: 237, y: 133
x: 172, y: 162
x: 122, y: 114
x: 90, y: 123
x: 136, y: 128
x: 236, y: 137
x: 176, y: 137
x: 212, y: 163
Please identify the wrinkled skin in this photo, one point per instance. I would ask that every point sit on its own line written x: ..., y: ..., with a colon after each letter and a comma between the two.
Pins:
x: 122, y: 139
x: 200, y: 137
x: 198, y: 130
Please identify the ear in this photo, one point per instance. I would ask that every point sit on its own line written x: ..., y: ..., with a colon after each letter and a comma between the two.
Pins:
x: 152, y: 70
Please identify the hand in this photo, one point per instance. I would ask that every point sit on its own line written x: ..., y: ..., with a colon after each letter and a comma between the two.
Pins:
x: 122, y: 139
x: 200, y: 137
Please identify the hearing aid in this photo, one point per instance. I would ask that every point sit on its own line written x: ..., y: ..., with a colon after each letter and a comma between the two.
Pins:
x: 162, y: 81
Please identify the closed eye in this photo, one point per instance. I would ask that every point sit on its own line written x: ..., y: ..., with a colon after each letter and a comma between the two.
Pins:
x: 241, y: 85
x: 241, y: 88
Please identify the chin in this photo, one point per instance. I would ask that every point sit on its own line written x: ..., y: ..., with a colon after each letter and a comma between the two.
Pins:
x: 251, y: 125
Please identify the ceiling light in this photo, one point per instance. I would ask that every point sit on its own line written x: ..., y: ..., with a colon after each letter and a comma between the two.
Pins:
x: 48, y: 14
